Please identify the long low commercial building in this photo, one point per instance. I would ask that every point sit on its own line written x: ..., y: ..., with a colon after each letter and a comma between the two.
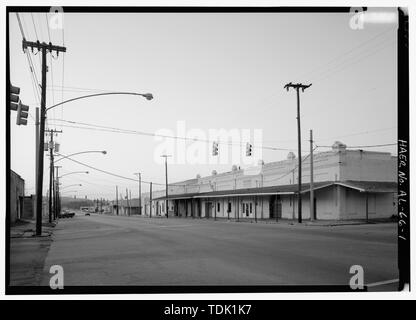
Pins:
x: 348, y: 184
x: 332, y: 201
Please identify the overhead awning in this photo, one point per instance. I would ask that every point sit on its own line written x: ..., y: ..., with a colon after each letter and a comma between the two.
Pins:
x: 361, y: 186
x: 263, y: 191
x: 370, y: 186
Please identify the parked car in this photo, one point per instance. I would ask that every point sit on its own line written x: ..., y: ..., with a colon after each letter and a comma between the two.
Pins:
x: 67, y: 214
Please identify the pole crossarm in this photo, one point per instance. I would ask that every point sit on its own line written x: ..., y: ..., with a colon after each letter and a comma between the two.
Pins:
x: 297, y: 86
x: 148, y: 96
x: 42, y: 45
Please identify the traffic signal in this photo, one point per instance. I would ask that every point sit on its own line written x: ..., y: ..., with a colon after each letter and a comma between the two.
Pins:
x: 249, y: 149
x: 22, y: 113
x: 14, y: 97
x: 215, y: 149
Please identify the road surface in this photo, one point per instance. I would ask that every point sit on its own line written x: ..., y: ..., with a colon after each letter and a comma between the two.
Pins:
x: 120, y: 250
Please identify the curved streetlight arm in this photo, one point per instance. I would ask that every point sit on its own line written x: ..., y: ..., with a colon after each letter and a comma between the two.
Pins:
x: 74, y: 154
x: 66, y: 174
x: 72, y: 185
x: 148, y: 96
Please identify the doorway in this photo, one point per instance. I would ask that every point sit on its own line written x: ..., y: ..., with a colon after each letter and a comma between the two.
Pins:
x: 275, y: 207
x: 208, y: 210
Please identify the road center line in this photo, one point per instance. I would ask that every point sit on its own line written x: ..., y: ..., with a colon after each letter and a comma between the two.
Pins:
x: 178, y: 225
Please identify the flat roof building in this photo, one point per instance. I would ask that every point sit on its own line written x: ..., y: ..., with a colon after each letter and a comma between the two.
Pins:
x: 348, y: 184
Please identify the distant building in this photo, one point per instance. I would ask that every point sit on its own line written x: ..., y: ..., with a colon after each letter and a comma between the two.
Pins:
x: 21, y: 206
x: 17, y: 194
x: 348, y: 184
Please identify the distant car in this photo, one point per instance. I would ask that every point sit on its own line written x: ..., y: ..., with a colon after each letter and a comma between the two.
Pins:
x: 67, y: 214
x: 87, y: 214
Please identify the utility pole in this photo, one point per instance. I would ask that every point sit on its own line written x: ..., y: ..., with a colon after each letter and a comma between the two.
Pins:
x: 130, y: 200
x: 44, y: 48
x: 140, y: 192
x: 297, y: 87
x: 151, y: 200
x: 117, y: 199
x: 36, y: 158
x: 57, y: 196
x: 52, y: 208
x: 166, y: 176
x: 312, y: 205
x: 127, y: 201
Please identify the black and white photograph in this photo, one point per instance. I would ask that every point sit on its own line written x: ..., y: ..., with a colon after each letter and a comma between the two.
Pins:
x: 206, y: 150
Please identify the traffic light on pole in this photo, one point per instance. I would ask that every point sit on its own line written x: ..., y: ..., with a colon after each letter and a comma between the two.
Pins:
x: 249, y: 149
x: 22, y: 113
x: 215, y: 148
x: 14, y: 97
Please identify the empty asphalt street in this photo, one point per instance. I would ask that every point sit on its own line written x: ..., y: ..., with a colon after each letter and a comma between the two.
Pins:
x: 120, y: 250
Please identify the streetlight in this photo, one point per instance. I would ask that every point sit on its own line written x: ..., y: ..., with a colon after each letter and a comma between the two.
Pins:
x: 72, y: 185
x: 43, y: 112
x: 67, y: 174
x: 148, y: 96
x: 69, y: 191
x: 140, y: 191
x: 76, y: 153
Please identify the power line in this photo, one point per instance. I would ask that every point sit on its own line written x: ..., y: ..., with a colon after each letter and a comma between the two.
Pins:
x: 20, y: 25
x: 331, y: 61
x: 128, y: 131
x: 369, y: 146
x: 31, y: 66
x: 63, y: 74
x: 34, y: 26
x: 358, y: 133
x: 294, y: 168
x: 50, y: 60
x: 351, y: 62
x: 117, y: 175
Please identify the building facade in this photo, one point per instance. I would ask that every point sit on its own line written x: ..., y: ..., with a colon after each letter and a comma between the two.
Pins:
x: 348, y: 184
x: 17, y: 195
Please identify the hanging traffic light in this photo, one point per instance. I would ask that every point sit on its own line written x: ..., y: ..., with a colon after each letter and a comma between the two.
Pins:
x: 56, y: 147
x: 215, y: 148
x: 14, y: 97
x: 249, y: 149
x: 22, y: 114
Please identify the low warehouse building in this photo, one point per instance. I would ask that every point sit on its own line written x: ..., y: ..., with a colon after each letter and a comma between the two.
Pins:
x: 348, y: 184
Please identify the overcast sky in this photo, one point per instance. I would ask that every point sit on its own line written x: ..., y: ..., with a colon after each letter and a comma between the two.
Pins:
x: 210, y: 70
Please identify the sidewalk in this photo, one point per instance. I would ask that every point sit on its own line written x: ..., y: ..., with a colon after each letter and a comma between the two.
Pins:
x: 28, y: 252
x: 27, y: 229
x: 305, y: 222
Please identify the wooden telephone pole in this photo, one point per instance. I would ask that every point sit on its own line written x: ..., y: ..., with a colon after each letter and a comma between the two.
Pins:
x: 57, y: 194
x: 44, y: 48
x: 297, y: 87
x: 151, y: 199
x: 52, y: 194
x: 312, y: 197
x: 166, y: 184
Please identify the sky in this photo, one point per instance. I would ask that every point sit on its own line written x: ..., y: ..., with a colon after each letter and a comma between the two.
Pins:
x: 207, y: 71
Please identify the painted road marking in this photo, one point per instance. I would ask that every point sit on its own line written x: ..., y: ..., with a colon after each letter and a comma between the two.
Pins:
x: 380, y: 283
x: 177, y: 225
